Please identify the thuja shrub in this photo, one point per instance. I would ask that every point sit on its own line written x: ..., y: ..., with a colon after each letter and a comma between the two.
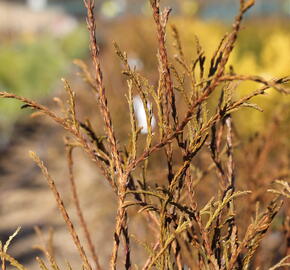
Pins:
x: 184, y: 232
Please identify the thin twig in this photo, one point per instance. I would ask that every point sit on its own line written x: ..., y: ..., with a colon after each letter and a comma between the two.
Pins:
x: 78, y: 208
x: 62, y: 209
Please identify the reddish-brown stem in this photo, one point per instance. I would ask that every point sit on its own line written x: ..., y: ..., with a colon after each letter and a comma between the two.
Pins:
x: 76, y: 201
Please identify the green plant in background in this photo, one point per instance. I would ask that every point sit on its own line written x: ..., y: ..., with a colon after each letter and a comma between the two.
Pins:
x: 194, y: 102
x: 30, y: 66
x: 74, y: 45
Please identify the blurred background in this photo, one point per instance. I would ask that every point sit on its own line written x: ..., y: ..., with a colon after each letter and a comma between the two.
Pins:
x: 39, y: 40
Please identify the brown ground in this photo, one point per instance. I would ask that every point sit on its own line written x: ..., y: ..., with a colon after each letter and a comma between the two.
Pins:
x: 26, y: 200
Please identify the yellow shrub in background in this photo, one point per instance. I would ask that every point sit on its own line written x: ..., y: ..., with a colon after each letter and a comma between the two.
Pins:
x: 276, y: 53
x: 271, y: 61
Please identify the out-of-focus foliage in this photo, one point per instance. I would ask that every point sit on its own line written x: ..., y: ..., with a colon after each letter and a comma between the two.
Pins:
x: 264, y: 52
x: 74, y: 45
x: 32, y: 65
